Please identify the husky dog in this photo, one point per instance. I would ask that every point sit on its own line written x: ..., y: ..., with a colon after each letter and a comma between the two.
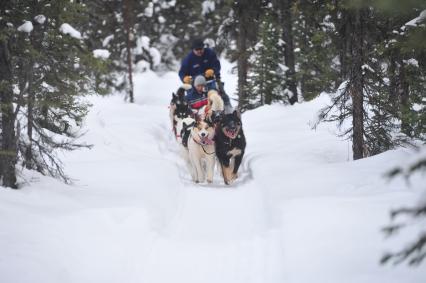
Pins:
x: 213, y: 108
x: 179, y: 109
x: 215, y: 105
x: 184, y: 127
x: 201, y: 149
x: 230, y: 144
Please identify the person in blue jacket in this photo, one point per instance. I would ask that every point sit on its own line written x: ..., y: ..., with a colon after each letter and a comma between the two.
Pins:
x: 200, y: 61
x: 203, y: 61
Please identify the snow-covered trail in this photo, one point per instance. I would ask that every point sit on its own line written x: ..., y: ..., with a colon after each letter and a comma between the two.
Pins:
x: 208, y: 233
x: 300, y: 212
x: 219, y: 233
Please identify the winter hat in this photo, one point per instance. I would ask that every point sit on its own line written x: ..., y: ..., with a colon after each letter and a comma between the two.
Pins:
x: 197, y: 44
x: 199, y: 80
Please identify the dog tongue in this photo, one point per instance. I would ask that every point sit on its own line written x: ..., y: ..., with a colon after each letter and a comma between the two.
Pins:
x: 230, y: 133
x: 206, y: 140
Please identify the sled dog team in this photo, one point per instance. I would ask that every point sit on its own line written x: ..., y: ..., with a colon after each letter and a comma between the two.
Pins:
x: 202, y: 118
x: 207, y: 135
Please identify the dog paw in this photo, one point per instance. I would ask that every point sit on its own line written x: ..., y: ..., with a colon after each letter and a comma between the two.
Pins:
x: 209, y: 181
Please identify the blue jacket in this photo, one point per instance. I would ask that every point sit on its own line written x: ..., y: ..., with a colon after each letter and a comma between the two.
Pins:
x: 196, y: 100
x: 193, y: 65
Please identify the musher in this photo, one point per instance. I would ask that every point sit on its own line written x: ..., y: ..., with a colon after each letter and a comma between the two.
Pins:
x: 203, y: 61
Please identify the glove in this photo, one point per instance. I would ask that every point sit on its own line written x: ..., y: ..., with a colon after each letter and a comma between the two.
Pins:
x: 209, y: 73
x: 187, y: 79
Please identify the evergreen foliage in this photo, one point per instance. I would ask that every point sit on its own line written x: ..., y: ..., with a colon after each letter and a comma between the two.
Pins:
x: 52, y: 71
x: 265, y: 78
x: 316, y: 45
x: 392, y: 80
x: 414, y: 252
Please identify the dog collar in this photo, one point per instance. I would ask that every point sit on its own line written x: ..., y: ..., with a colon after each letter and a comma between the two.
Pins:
x: 202, y: 146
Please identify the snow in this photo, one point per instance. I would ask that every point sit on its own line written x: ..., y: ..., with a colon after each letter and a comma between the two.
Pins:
x: 414, y: 22
x: 208, y: 6
x: 367, y: 67
x: 168, y: 4
x: 101, y: 53
x: 41, y: 19
x: 161, y: 19
x: 69, y: 30
x: 27, y: 27
x: 16, y: 89
x: 155, y: 56
x: 142, y: 43
x: 412, y: 62
x: 48, y: 87
x: 300, y: 211
x: 149, y: 11
x: 107, y: 40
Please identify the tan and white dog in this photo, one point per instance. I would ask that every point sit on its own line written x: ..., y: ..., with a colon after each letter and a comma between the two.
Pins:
x: 215, y: 103
x: 201, y: 152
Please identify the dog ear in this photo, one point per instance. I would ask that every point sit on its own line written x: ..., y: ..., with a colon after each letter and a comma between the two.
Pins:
x: 216, y: 116
x: 197, y: 118
x: 237, y: 114
x: 174, y: 95
x: 180, y: 91
x: 209, y: 122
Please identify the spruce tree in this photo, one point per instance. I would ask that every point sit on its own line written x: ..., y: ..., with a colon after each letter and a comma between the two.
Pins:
x: 315, y: 42
x: 266, y: 76
x: 51, y: 70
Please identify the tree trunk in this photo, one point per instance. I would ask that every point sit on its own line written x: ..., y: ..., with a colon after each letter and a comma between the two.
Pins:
x: 8, y: 145
x: 404, y: 99
x: 356, y: 86
x: 128, y: 31
x: 30, y: 117
x: 242, y: 61
x: 393, y: 78
x: 345, y: 45
x: 286, y: 21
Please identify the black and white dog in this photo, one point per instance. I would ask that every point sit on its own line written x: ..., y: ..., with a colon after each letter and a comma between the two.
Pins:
x: 230, y: 144
x: 179, y: 110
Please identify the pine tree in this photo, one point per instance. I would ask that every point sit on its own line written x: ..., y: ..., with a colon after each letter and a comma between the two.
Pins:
x: 285, y: 17
x: 11, y: 14
x: 412, y: 253
x: 380, y: 84
x: 266, y: 74
x: 315, y: 42
x: 246, y: 14
x: 51, y: 69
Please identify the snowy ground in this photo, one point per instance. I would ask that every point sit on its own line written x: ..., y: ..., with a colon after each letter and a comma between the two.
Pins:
x: 301, y: 211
